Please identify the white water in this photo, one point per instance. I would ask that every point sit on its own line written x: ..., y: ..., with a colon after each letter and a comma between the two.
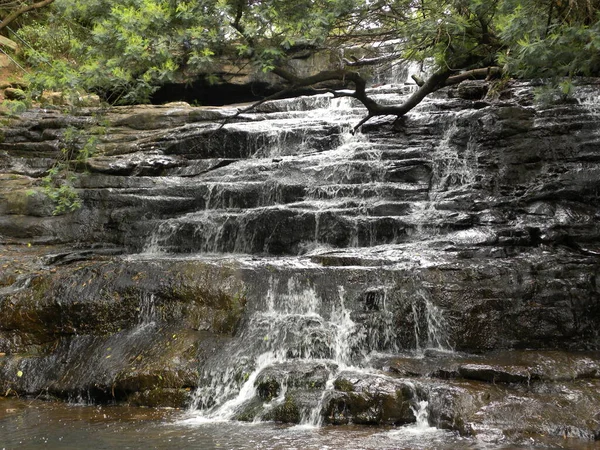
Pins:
x: 313, y: 148
x: 455, y: 164
x: 434, y: 336
x: 298, y: 326
x: 421, y: 414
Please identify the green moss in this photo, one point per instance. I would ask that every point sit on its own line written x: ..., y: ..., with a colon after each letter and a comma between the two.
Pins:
x: 211, y: 298
x: 287, y: 412
x: 160, y: 397
x: 341, y: 384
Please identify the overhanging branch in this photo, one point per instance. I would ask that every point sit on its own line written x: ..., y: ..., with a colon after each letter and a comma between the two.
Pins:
x: 475, y: 74
x: 19, y: 12
x: 438, y: 80
x: 435, y: 82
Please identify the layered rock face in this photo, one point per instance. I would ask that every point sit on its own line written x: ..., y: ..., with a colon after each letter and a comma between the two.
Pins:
x: 273, y: 265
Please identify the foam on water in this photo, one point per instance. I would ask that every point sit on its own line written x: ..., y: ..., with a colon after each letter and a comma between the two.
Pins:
x: 338, y: 174
x: 297, y: 324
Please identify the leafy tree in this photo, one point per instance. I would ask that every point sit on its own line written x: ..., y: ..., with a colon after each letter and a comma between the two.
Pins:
x: 125, y: 50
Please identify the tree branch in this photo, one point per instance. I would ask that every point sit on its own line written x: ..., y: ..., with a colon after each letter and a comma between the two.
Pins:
x: 438, y: 80
x: 18, y: 12
x: 435, y: 82
x: 475, y: 74
x: 239, y: 112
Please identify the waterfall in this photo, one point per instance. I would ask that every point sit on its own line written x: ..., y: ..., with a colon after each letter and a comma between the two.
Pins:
x: 297, y: 328
x: 455, y: 163
x: 147, y: 309
x: 430, y: 325
x: 421, y: 414
x: 341, y: 190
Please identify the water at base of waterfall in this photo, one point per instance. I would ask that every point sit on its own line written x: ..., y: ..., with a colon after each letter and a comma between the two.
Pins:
x: 297, y: 327
x: 31, y: 424
x: 295, y: 330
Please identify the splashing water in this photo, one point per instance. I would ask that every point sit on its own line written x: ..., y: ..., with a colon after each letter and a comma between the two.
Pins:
x: 297, y: 326
x: 430, y: 325
x: 421, y: 414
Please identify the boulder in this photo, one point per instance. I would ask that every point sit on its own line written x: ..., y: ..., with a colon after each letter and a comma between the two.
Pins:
x: 14, y: 94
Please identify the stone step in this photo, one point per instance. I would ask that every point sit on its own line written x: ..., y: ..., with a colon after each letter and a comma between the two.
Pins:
x: 180, y: 196
x: 250, y: 139
x: 293, y: 230
x: 503, y: 366
x: 315, y: 170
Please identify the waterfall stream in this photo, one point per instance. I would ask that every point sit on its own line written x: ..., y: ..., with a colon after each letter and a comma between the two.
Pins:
x: 298, y: 332
x: 309, y: 186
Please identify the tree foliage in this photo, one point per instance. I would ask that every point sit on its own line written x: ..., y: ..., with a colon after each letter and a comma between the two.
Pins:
x: 125, y: 50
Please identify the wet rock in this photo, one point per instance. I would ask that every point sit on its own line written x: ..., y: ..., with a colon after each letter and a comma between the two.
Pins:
x: 105, y: 368
x: 172, y: 398
x: 568, y: 411
x: 512, y: 366
x: 51, y: 307
x: 286, y: 412
x: 453, y: 405
x: 369, y: 400
x: 494, y: 374
x: 132, y: 164
x: 291, y: 376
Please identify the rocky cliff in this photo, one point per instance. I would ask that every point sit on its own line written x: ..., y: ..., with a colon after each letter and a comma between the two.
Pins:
x: 451, y: 255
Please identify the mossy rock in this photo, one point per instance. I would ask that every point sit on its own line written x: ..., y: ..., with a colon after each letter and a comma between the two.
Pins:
x: 287, y: 412
x: 31, y: 202
x: 250, y: 411
x: 268, y: 389
x: 161, y: 398
x: 376, y: 408
x: 341, y: 384
x: 14, y: 94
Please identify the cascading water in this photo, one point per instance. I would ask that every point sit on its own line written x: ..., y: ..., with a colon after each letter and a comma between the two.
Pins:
x: 455, y: 164
x: 334, y: 186
x: 430, y: 324
x: 421, y: 414
x: 297, y: 331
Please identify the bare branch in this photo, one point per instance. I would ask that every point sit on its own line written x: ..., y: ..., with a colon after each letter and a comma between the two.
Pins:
x: 361, y: 123
x: 475, y: 74
x: 19, y: 12
x: 435, y: 82
x: 275, y: 96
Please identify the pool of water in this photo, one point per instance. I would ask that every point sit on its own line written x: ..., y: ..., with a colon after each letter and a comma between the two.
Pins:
x: 34, y: 424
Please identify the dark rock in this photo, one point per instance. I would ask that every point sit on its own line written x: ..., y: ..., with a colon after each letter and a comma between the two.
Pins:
x: 14, y: 94
x: 371, y: 401
x: 286, y: 412
x: 472, y: 89
x: 494, y: 374
x: 172, y: 398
